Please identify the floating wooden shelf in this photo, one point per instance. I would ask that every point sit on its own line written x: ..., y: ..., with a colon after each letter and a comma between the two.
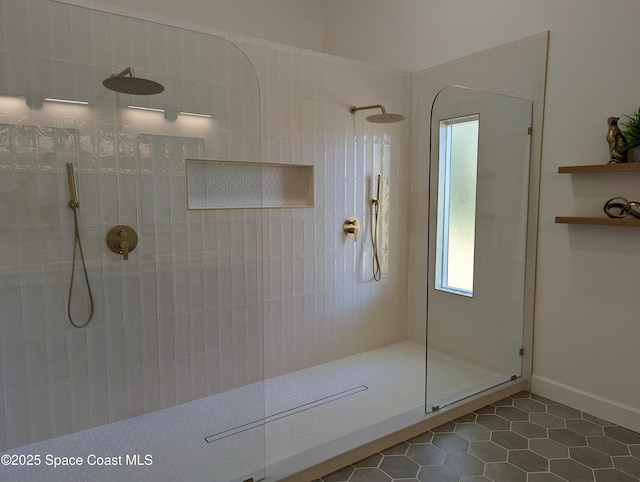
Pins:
x: 633, y: 166
x: 599, y: 221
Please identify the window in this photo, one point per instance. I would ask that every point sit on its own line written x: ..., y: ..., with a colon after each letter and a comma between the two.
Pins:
x: 457, y: 204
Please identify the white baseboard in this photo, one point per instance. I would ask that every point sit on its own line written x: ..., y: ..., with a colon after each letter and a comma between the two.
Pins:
x: 601, y: 407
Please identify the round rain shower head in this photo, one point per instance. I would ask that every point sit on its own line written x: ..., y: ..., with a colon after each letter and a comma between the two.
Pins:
x: 383, y: 118
x: 132, y: 84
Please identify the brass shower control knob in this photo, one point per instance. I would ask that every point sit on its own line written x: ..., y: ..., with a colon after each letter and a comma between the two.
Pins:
x: 351, y: 228
x: 122, y: 240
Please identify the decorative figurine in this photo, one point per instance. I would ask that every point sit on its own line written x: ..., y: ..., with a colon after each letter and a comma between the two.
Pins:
x: 617, y: 142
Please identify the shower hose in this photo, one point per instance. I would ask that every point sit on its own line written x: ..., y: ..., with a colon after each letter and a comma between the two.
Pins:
x: 375, y: 205
x: 78, y: 244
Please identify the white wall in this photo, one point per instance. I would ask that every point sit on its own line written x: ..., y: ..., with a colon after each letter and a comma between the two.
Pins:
x: 291, y: 22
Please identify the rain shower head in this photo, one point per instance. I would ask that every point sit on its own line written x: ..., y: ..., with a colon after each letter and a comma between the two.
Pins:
x: 383, y: 118
x: 132, y: 84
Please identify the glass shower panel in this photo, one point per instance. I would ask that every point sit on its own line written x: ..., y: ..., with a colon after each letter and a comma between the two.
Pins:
x: 166, y: 380
x: 474, y: 335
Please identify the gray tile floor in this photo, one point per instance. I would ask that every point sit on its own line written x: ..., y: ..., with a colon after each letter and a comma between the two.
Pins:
x: 524, y: 438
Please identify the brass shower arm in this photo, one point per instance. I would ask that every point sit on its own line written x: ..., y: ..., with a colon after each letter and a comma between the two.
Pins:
x: 126, y: 71
x: 353, y: 108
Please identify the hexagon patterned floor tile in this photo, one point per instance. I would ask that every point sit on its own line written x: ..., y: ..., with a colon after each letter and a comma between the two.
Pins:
x: 520, y: 438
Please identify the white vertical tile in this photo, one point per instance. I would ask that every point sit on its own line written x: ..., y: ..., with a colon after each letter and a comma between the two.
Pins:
x: 109, y: 199
x: 182, y: 337
x: 17, y: 409
x: 28, y: 213
x: 116, y: 353
x: 98, y: 389
x: 18, y: 76
x: 36, y: 353
x: 80, y: 32
x: 117, y: 405
x: 120, y: 42
x: 168, y: 384
x: 149, y: 296
x: 165, y: 294
x: 211, y: 332
x: 38, y: 33
x: 211, y: 285
x: 151, y: 383
x: 212, y: 373
x: 114, y: 299
x: 132, y: 298
x: 146, y: 198
x: 3, y: 413
x: 197, y: 333
x: 2, y: 16
x: 228, y: 368
x: 15, y: 26
x: 275, y: 279
x: 77, y: 345
x: 224, y: 292
x: 162, y: 199
x: 173, y: 51
x: 80, y: 401
x: 16, y: 377
x: 287, y: 277
x: 204, y: 57
x: 319, y: 272
x: 178, y: 195
x: 62, y: 80
x: 238, y: 285
x: 11, y: 309
x: 61, y: 408
x: 134, y: 369
x: 183, y: 380
x: 166, y: 337
x: 151, y: 344
x: 181, y: 290
x: 238, y: 359
x: 196, y: 289
x: 100, y: 30
x: 127, y: 194
x: 198, y: 377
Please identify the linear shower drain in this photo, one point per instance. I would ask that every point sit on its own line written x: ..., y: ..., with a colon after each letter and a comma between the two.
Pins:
x: 285, y: 413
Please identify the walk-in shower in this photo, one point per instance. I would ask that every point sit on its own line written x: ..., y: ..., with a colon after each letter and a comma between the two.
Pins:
x: 234, y: 343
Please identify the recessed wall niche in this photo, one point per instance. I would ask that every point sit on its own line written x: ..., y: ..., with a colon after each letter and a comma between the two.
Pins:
x: 216, y: 184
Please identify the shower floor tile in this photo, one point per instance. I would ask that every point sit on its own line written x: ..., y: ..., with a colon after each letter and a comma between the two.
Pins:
x: 395, y: 378
x: 308, y: 421
x: 579, y: 448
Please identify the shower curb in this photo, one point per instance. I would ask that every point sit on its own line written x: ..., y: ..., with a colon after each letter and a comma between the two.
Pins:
x: 432, y: 420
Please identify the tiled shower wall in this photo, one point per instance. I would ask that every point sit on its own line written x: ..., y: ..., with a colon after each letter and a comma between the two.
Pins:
x: 182, y: 319
x: 321, y: 302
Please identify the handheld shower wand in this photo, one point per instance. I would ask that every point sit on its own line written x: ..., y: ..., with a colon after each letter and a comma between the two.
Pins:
x: 375, y: 206
x: 74, y: 205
